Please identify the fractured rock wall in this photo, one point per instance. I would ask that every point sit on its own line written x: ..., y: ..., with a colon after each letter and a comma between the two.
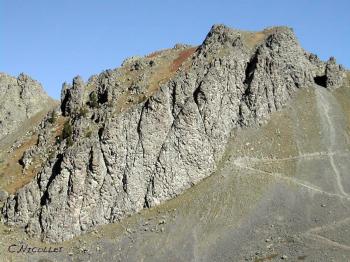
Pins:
x: 155, y: 149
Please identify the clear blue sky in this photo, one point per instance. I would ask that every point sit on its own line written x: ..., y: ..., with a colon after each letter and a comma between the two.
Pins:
x: 54, y: 40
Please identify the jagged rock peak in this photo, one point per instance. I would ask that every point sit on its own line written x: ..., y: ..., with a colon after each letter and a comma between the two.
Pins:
x: 21, y: 98
x: 221, y: 34
x: 72, y: 96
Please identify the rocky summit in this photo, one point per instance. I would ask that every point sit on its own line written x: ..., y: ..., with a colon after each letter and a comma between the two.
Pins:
x: 21, y: 99
x: 131, y: 138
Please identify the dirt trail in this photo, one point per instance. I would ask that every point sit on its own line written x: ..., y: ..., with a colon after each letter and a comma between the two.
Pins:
x: 245, y: 163
x: 329, y: 112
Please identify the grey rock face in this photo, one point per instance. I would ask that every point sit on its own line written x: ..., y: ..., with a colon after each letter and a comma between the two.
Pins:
x: 334, y: 73
x: 154, y: 150
x: 21, y: 98
x: 71, y: 96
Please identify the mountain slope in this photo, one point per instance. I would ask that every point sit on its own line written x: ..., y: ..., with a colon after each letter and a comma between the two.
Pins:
x: 142, y: 134
x: 23, y: 105
x: 274, y: 195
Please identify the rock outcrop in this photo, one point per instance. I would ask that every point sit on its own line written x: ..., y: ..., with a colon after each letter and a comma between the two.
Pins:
x: 133, y: 150
x: 21, y: 98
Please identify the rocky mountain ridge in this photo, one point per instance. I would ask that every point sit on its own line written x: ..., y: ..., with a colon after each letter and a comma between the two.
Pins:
x: 139, y: 135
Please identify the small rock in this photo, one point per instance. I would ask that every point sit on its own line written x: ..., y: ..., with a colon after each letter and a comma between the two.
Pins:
x: 284, y: 257
x: 181, y: 46
x: 3, y: 195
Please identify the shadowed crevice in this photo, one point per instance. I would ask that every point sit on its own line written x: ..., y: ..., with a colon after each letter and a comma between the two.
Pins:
x: 321, y: 80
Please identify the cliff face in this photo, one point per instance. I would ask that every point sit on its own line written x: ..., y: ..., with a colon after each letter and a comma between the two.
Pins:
x: 21, y: 98
x: 142, y: 134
